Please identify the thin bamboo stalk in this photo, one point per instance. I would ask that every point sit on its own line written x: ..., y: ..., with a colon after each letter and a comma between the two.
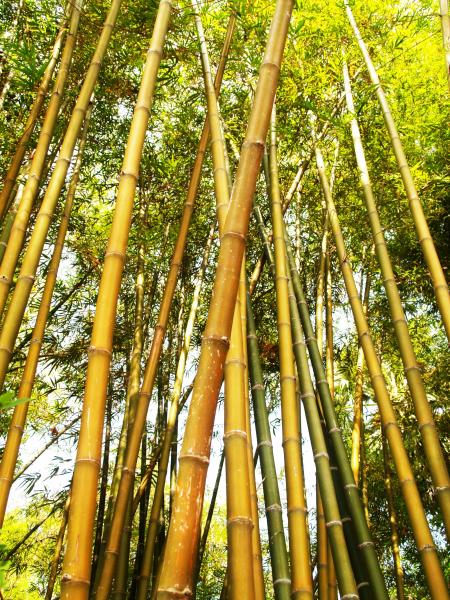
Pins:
x: 158, y: 495
x: 365, y: 543
x: 395, y: 541
x: 430, y: 438
x: 76, y: 569
x: 423, y: 233
x: 445, y: 23
x: 57, y: 552
x: 421, y: 530
x: 160, y: 329
x: 32, y: 255
x: 16, y: 429
x: 177, y: 571
x: 21, y: 219
x: 22, y: 144
x: 301, y: 579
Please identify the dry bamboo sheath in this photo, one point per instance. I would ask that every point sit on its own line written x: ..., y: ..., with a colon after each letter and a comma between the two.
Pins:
x: 16, y: 428
x: 77, y: 561
x: 32, y: 255
x: 36, y: 170
x: 156, y: 347
x: 421, y: 530
x: 423, y: 233
x: 427, y: 428
x: 184, y: 528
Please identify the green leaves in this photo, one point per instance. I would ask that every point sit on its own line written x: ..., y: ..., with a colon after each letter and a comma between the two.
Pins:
x: 9, y: 400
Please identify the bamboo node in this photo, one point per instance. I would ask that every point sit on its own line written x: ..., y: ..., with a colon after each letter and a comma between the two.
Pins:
x: 288, y: 377
x: 99, y: 350
x: 308, y: 395
x: 267, y: 443
x: 196, y: 457
x: 335, y: 523
x: 290, y: 439
x: 367, y: 544
x: 234, y: 432
x: 240, y: 520
x: 362, y: 584
x: 321, y: 455
x: 440, y: 489
x: 427, y: 548
x: 427, y: 424
x: 187, y: 592
x: 350, y: 597
x: 251, y: 336
x: 282, y: 580
x: 301, y: 509
x: 319, y: 381
x: 350, y: 486
x: 128, y: 174
x: 120, y: 255
x: 223, y: 340
x: 258, y: 386
x: 68, y: 577
x: 346, y: 519
x: 335, y: 430
x: 389, y: 424
x: 273, y: 507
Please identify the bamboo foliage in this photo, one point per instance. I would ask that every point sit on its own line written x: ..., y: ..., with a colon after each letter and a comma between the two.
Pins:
x: 301, y: 580
x: 423, y: 233
x: 176, y: 575
x: 134, y: 439
x: 32, y: 255
x: 34, y: 173
x: 16, y: 428
x: 76, y: 568
x: 22, y: 144
x: 430, y: 438
x: 422, y: 534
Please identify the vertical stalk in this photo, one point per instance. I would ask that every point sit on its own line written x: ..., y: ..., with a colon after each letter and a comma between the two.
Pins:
x: 301, y: 580
x: 32, y: 256
x: 423, y: 233
x: 445, y: 23
x: 177, y: 571
x: 429, y: 435
x: 21, y: 219
x: 77, y: 565
x: 422, y: 533
x: 16, y: 428
x: 57, y: 552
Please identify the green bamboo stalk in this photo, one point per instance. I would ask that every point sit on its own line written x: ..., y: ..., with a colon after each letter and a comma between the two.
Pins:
x: 422, y: 230
x: 416, y: 512
x: 445, y: 23
x: 277, y: 543
x: 430, y: 437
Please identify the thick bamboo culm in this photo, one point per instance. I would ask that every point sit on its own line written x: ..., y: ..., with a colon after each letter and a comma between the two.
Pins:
x: 34, y: 176
x: 301, y: 579
x: 22, y: 144
x: 421, y: 530
x: 133, y: 445
x: 356, y: 510
x: 17, y: 425
x: 422, y: 230
x: 158, y: 495
x: 445, y: 24
x: 77, y: 560
x: 32, y: 255
x: 274, y: 514
x: 184, y: 527
x: 242, y: 573
x: 321, y: 458
x: 430, y: 438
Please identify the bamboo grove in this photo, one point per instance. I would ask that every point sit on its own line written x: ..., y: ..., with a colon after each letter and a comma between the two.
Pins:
x: 225, y: 319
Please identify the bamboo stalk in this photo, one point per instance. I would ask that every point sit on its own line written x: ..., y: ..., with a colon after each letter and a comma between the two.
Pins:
x: 177, y: 571
x: 365, y: 543
x: 423, y: 233
x: 445, y: 23
x: 76, y: 568
x: 32, y: 256
x: 156, y: 347
x: 22, y: 144
x: 158, y: 495
x: 16, y: 428
x: 430, y: 438
x: 301, y: 579
x: 21, y: 219
x: 421, y: 530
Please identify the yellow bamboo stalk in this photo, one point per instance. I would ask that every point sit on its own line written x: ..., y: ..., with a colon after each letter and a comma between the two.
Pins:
x: 421, y: 530
x: 17, y: 425
x: 21, y: 219
x: 32, y: 256
x: 301, y: 579
x: 30, y: 124
x: 177, y: 571
x: 445, y: 23
x: 158, y: 495
x: 423, y: 233
x: 77, y: 561
x: 430, y: 438
x: 151, y: 367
